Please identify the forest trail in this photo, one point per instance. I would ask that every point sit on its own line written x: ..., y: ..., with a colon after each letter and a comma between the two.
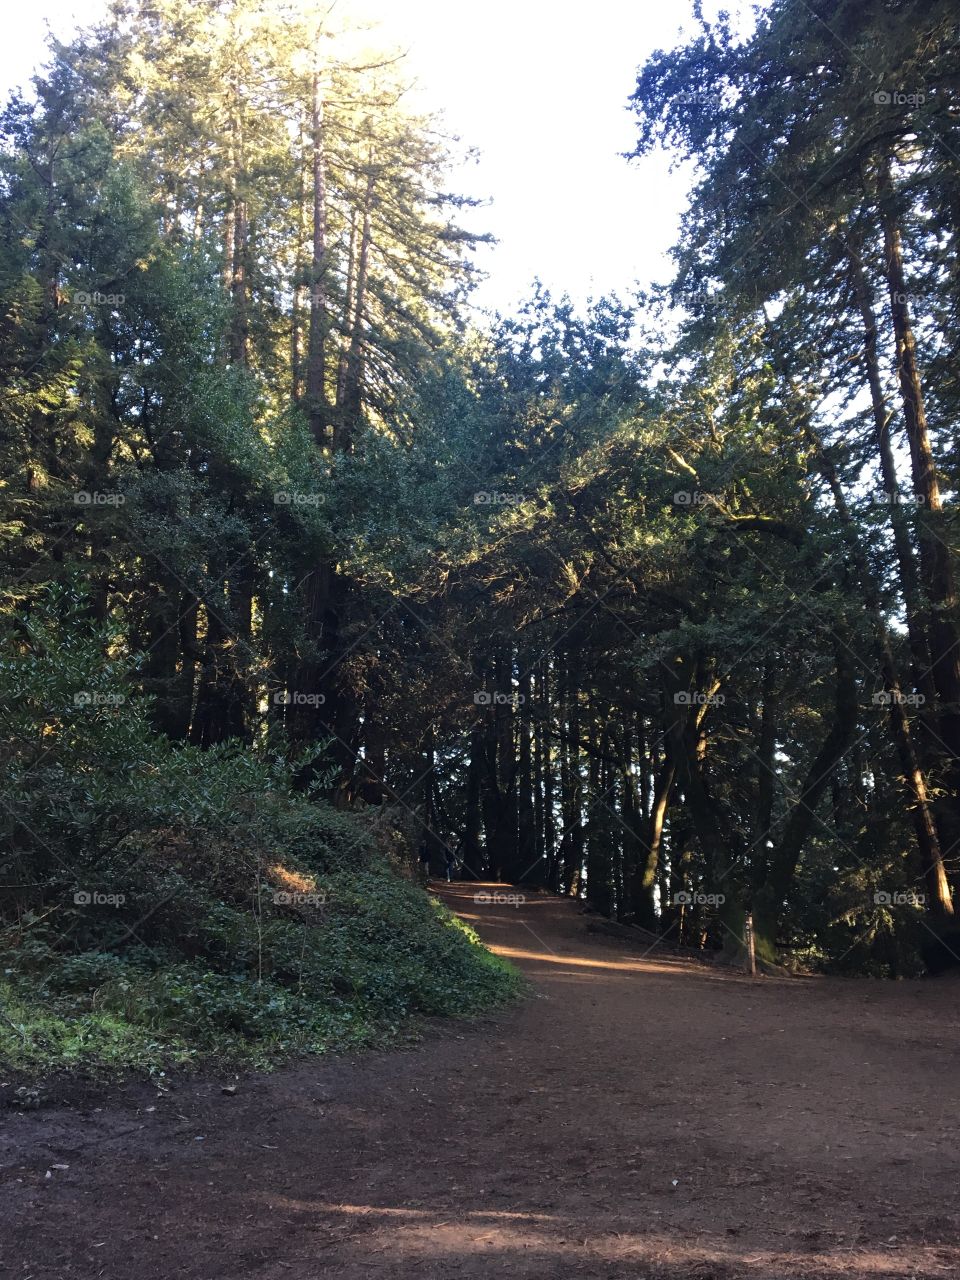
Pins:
x: 636, y: 1116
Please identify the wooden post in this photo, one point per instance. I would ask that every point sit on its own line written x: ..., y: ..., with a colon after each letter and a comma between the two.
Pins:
x: 751, y: 949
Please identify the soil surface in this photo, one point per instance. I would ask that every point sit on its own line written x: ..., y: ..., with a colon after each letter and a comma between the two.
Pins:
x: 637, y: 1116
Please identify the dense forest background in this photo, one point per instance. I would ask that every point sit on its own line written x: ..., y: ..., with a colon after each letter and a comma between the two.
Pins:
x: 652, y: 603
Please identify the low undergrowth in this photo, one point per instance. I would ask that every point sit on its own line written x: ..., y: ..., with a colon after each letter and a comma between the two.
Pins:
x: 163, y: 906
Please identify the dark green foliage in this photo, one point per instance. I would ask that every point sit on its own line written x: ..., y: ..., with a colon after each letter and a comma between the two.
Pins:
x: 194, y: 945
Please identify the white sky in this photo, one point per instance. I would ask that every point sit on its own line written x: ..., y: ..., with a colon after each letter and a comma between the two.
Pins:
x: 540, y: 88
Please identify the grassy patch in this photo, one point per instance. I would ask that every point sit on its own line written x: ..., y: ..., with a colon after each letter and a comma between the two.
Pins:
x: 380, y: 953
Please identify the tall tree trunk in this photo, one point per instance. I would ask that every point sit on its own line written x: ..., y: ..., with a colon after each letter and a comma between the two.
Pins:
x: 472, y: 853
x: 916, y: 614
x: 643, y: 901
x: 936, y: 566
x: 211, y: 715
x: 528, y: 862
x: 686, y: 748
x: 239, y: 335
x: 544, y: 720
x: 372, y: 770
x: 298, y: 275
x: 599, y: 851
x: 572, y: 840
x: 319, y: 674
x: 507, y: 832
x: 166, y: 600
x: 766, y: 774
x: 316, y: 349
x: 770, y: 901
x: 630, y: 817
x: 939, y: 900
x: 540, y: 741
x: 346, y: 317
x: 352, y: 387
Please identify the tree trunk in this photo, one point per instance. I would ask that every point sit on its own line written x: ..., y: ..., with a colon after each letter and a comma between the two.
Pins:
x: 527, y: 858
x: 936, y: 566
x: 551, y: 861
x: 599, y: 859
x: 572, y: 840
x: 352, y: 391
x: 644, y: 906
x: 917, y: 621
x: 316, y: 349
x: 507, y: 832
x: 939, y: 899
x: 239, y: 335
x: 770, y: 901
x: 472, y: 853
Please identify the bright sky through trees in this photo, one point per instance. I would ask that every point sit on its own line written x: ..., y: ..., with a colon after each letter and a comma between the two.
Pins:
x: 539, y: 88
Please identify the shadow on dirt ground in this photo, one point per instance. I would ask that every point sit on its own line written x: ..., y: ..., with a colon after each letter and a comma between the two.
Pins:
x: 635, y: 1116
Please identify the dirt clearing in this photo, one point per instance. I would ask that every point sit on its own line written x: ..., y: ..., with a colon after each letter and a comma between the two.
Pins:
x: 638, y: 1116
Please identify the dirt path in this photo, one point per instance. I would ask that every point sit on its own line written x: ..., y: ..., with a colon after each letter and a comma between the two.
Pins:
x: 636, y: 1117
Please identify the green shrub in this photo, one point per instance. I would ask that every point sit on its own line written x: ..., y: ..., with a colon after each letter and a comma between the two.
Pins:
x: 155, y: 915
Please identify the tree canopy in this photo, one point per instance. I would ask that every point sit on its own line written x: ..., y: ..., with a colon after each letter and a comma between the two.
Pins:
x: 651, y: 602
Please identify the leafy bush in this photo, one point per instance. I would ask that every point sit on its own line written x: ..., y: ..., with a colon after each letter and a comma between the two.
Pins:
x: 168, y: 902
